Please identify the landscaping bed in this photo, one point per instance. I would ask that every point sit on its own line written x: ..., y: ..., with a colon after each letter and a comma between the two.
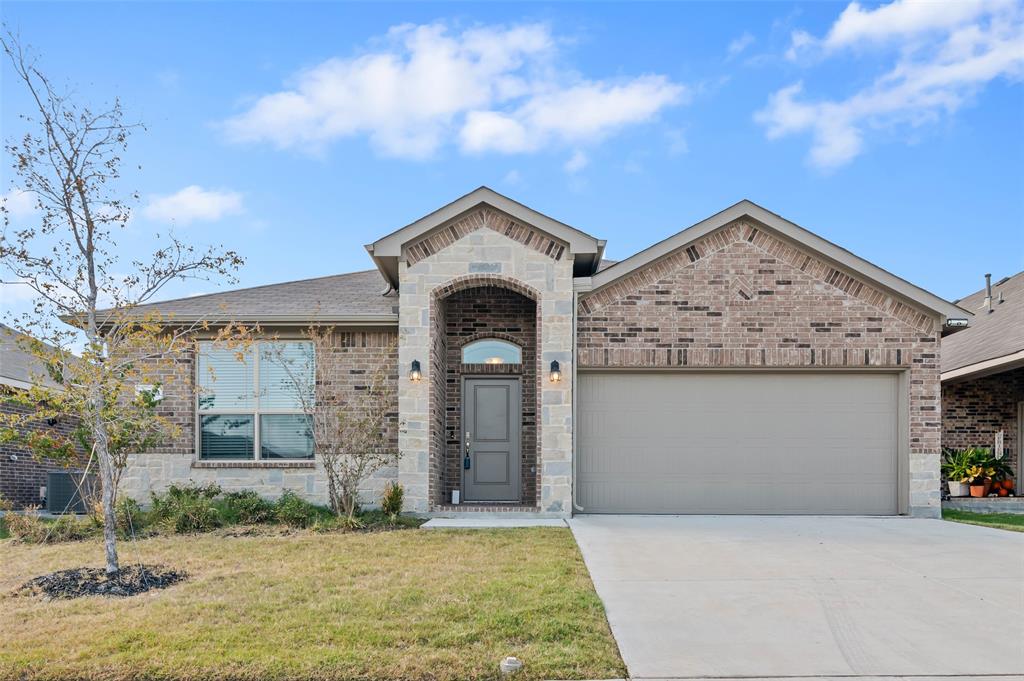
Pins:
x: 445, y: 604
x: 78, y: 582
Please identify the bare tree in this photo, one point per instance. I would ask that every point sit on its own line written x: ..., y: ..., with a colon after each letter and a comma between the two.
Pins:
x: 70, y: 162
x: 351, y: 437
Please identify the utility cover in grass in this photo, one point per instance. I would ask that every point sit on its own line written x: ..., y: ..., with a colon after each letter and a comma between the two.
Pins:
x: 78, y: 582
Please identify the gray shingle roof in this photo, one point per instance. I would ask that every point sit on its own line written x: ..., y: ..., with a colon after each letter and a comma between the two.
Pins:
x: 332, y: 298
x: 18, y: 367
x: 991, y: 334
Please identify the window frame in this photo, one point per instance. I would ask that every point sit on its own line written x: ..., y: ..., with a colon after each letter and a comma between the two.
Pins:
x: 256, y: 412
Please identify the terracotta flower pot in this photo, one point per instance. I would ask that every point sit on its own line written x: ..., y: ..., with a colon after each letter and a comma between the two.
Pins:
x: 978, y: 491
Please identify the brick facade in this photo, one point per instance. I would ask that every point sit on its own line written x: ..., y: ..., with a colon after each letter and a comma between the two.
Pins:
x: 489, y: 312
x: 740, y: 297
x: 973, y: 411
x: 21, y: 474
x: 349, y: 368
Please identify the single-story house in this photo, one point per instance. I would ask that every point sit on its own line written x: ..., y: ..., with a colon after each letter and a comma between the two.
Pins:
x: 743, y: 365
x: 983, y: 373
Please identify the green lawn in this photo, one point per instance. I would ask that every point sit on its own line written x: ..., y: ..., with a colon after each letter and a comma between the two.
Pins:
x: 1002, y: 521
x: 411, y: 604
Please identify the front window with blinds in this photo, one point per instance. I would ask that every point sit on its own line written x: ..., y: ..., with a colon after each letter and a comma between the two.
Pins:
x: 251, y: 403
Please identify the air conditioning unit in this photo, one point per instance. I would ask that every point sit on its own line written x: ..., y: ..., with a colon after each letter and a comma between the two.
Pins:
x: 66, y: 491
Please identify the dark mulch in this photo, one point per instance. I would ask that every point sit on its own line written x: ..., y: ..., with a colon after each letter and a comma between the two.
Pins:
x: 78, y: 582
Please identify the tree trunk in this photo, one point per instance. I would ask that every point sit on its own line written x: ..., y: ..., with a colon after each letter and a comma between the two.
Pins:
x: 107, y: 481
x: 332, y: 493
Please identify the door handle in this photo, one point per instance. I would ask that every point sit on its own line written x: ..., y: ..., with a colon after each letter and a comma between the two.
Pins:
x: 466, y: 461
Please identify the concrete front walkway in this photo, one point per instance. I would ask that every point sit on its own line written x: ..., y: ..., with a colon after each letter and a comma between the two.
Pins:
x: 739, y: 596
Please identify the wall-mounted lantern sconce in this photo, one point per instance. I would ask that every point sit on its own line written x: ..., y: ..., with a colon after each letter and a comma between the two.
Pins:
x: 414, y: 372
x: 556, y: 372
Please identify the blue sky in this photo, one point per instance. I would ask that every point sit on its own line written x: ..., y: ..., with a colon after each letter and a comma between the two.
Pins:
x: 296, y: 133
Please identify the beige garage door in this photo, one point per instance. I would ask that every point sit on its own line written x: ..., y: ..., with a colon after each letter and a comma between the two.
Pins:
x: 750, y: 442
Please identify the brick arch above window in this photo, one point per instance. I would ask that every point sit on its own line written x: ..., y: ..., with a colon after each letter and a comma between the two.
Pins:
x: 490, y: 335
x: 468, y: 281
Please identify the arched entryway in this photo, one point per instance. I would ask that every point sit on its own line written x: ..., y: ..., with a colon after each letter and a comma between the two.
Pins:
x: 497, y: 461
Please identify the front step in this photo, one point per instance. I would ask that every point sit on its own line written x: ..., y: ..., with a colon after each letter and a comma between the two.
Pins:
x: 492, y: 520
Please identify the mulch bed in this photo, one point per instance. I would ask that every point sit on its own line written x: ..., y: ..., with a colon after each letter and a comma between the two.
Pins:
x: 77, y: 582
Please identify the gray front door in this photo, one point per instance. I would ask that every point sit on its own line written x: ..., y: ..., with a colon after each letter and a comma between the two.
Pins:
x: 491, y: 419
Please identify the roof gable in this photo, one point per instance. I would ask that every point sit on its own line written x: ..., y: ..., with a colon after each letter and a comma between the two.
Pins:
x: 846, y: 267
x: 387, y: 251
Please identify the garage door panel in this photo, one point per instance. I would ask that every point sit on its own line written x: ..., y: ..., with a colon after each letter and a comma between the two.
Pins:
x: 738, y: 443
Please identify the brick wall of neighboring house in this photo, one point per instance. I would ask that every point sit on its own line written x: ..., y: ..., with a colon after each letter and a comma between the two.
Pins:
x: 349, y: 369
x: 973, y: 411
x: 740, y: 297
x: 490, y: 312
x: 21, y: 474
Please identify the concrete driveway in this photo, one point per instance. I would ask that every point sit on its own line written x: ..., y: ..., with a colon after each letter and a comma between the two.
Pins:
x: 740, y: 596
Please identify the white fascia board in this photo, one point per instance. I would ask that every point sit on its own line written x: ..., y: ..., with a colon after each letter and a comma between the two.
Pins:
x: 985, y: 367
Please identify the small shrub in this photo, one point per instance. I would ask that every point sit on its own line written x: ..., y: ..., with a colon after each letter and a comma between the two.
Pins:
x: 130, y: 516
x: 353, y: 523
x: 391, y: 500
x: 6, y: 504
x: 69, y: 528
x: 26, y: 527
x: 29, y: 528
x: 247, y: 507
x: 294, y: 511
x: 187, y: 509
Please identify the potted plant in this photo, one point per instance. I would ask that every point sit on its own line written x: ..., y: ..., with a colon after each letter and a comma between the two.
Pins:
x: 955, y: 466
x: 981, y: 470
x: 1002, y: 481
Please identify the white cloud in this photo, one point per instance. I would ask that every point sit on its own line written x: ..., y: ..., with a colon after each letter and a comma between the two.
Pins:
x: 904, y: 18
x: 19, y: 203
x: 193, y: 203
x: 488, y: 88
x: 577, y: 162
x: 582, y: 113
x: 738, y: 45
x: 942, y: 62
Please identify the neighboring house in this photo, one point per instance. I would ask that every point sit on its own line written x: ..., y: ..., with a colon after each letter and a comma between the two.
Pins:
x: 983, y: 373
x: 743, y: 365
x: 23, y: 477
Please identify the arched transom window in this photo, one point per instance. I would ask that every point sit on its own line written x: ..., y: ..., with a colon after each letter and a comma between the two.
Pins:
x: 491, y: 351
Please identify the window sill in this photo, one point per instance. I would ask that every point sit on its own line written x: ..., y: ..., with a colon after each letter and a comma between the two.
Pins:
x: 253, y: 464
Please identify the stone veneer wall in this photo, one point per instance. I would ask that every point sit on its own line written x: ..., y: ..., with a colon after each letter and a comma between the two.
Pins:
x: 489, y: 312
x: 740, y: 297
x: 973, y: 411
x: 350, y: 365
x: 483, y: 248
